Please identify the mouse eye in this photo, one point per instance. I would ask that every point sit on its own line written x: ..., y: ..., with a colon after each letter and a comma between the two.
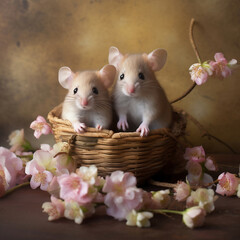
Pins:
x: 122, y: 76
x: 95, y: 90
x: 75, y: 90
x: 141, y: 76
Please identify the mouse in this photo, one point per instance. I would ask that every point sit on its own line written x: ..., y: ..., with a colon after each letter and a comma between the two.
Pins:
x: 87, y: 103
x: 138, y: 98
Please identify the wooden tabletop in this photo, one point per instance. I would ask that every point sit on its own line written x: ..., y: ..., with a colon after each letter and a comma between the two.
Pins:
x: 21, y: 217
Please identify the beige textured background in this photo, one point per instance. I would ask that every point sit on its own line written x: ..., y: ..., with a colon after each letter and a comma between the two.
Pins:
x: 38, y: 37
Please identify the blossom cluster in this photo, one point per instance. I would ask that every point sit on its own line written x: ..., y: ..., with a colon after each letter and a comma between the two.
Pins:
x: 197, y: 165
x: 228, y: 184
x: 77, y: 192
x: 77, y: 195
x: 13, y: 161
x: 202, y: 197
x: 48, y: 163
x: 219, y: 68
x: 11, y: 170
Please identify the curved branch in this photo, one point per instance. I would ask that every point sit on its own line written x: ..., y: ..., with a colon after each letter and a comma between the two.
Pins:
x: 192, y: 40
x: 197, y: 55
x: 185, y: 94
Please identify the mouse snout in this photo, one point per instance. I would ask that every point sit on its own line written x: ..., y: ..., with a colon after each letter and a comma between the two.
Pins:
x: 84, y: 102
x: 131, y: 89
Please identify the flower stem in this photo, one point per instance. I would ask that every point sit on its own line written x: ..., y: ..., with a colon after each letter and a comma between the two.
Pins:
x: 30, y: 157
x: 60, y: 153
x: 27, y: 146
x: 185, y: 94
x: 15, y: 188
x: 162, y: 184
x: 198, y: 58
x: 168, y: 211
x: 192, y: 40
x: 210, y: 184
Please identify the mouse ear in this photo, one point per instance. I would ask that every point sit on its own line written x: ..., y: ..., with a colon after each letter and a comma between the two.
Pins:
x: 107, y: 75
x: 65, y: 77
x: 114, y: 57
x: 157, y: 59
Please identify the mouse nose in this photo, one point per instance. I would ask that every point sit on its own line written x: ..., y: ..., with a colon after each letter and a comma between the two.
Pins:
x: 84, y: 102
x: 131, y: 89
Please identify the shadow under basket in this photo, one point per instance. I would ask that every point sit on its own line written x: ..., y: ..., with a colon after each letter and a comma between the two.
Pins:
x: 125, y: 151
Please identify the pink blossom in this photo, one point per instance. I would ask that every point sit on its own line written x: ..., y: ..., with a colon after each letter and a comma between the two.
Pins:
x: 196, y: 176
x: 204, y: 198
x: 154, y: 200
x: 210, y: 164
x: 60, y: 147
x: 200, y: 72
x: 10, y: 166
x: 72, y: 187
x: 161, y: 198
x: 194, y: 217
x: 221, y: 67
x: 88, y: 174
x: 44, y: 160
x: 40, y: 178
x: 147, y: 201
x: 41, y: 168
x: 46, y: 147
x: 139, y: 219
x: 202, y: 179
x: 73, y: 211
x: 16, y: 140
x: 55, y: 208
x: 227, y: 184
x: 41, y: 127
x: 59, y: 162
x: 22, y: 177
x: 182, y: 191
x: 122, y: 194
x: 46, y: 164
x: 196, y: 154
x: 194, y: 172
x: 54, y: 188
x: 64, y: 164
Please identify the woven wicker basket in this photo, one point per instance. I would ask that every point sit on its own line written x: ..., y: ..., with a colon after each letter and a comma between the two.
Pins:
x: 126, y: 151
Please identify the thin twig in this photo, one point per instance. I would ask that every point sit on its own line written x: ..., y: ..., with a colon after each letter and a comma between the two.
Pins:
x: 191, y: 38
x: 210, y: 184
x: 162, y: 184
x: 205, y: 133
x: 60, y: 153
x: 185, y: 94
x: 15, y: 188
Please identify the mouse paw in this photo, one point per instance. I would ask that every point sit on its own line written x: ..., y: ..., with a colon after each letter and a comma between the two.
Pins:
x: 143, y: 129
x: 122, y: 124
x: 99, y: 127
x: 79, y: 127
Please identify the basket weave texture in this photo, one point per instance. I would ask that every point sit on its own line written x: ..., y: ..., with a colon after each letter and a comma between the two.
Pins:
x: 125, y: 151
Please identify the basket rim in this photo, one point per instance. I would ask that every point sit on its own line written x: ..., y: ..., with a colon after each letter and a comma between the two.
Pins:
x: 93, y: 132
